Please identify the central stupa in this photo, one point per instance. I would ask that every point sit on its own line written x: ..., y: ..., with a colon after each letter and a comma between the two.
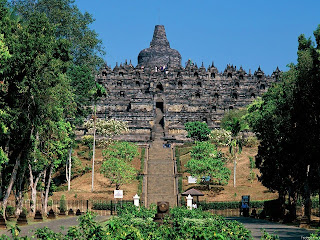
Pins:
x: 159, y: 53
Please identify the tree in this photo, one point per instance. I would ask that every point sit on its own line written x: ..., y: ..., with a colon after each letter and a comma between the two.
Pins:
x: 107, y: 128
x: 85, y: 47
x: 34, y: 77
x: 117, y: 163
x: 77, y: 43
x: 118, y: 171
x: 286, y: 121
x: 207, y: 161
x: 234, y: 121
x: 122, y: 150
x: 198, y: 131
x: 36, y: 99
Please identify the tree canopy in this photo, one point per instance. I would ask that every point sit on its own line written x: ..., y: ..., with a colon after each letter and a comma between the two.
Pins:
x: 117, y: 165
x: 286, y: 121
x: 198, y: 131
x: 207, y: 162
x: 43, y: 44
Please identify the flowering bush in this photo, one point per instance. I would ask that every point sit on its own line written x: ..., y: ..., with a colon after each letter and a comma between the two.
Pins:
x: 220, y: 137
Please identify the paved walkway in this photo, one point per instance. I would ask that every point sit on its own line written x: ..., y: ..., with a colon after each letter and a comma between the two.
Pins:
x: 57, y: 225
x: 160, y: 173
x: 283, y: 231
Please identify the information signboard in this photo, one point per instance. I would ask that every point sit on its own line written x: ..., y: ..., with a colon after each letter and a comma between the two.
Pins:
x: 192, y: 179
x: 118, y: 193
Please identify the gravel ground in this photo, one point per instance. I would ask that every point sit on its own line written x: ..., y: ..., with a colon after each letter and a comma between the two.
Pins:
x: 60, y: 224
x: 283, y: 231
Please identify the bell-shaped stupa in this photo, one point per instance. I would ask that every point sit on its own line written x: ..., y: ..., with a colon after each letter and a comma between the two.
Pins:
x: 159, y: 53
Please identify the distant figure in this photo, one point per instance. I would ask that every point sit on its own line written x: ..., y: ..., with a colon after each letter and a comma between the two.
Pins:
x: 245, y: 209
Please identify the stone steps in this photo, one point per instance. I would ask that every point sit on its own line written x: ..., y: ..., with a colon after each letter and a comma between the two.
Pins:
x: 153, y: 198
x: 160, y: 175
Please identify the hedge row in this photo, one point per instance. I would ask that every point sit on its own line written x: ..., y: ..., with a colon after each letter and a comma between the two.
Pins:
x: 107, y: 205
x: 227, y: 205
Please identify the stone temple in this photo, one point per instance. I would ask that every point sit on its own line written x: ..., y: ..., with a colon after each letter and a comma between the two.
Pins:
x: 160, y: 95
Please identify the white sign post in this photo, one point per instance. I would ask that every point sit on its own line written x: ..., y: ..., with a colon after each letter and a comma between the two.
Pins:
x: 136, y: 200
x: 189, y: 202
x: 118, y: 193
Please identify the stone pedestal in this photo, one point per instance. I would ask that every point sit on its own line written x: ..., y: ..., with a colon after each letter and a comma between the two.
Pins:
x: 71, y: 212
x: 51, y: 214
x: 62, y: 213
x: 162, y: 211
x: 38, y: 216
x: 78, y: 213
x: 22, y: 220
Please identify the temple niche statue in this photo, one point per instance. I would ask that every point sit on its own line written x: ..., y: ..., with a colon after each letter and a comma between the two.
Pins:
x: 160, y: 85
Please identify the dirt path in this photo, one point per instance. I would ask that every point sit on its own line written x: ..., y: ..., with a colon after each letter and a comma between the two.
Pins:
x: 283, y: 231
x: 57, y: 225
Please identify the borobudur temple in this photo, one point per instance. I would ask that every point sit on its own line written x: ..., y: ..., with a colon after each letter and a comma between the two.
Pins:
x: 159, y: 91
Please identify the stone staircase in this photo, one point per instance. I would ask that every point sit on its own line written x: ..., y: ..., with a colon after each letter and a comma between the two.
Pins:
x: 160, y: 173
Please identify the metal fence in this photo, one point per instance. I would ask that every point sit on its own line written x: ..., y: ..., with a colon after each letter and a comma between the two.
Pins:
x: 102, y: 208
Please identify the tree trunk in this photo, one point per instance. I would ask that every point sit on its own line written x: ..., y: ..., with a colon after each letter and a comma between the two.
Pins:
x: 307, y: 202
x: 68, y: 168
x: 33, y: 186
x: 282, y: 200
x: 19, y: 191
x: 293, y: 207
x: 19, y: 200
x: 11, y: 182
x: 94, y: 146
x: 44, y: 209
x: 47, y: 189
x: 235, y: 172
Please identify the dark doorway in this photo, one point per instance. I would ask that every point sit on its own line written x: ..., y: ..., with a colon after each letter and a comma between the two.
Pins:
x: 160, y: 87
x: 159, y: 114
x: 160, y: 106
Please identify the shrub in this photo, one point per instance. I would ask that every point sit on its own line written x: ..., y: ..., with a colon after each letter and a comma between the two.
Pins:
x: 24, y: 211
x: 87, y: 140
x: 220, y: 137
x: 228, y: 205
x: 267, y: 236
x: 10, y: 210
x: 198, y: 131
x: 63, y: 204
x: 251, y: 141
x: 81, y: 153
x: 61, y: 188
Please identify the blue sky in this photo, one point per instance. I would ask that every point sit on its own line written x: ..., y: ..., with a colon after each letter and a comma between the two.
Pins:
x: 245, y: 33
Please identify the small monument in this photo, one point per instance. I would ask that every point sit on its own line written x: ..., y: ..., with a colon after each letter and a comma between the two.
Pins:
x: 62, y: 212
x: 51, y: 214
x: 22, y: 220
x: 189, y: 202
x: 70, y: 212
x: 162, y: 211
x: 136, y: 200
x: 78, y: 212
x: 38, y: 216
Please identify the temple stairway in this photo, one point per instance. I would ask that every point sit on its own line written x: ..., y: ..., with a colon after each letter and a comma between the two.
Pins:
x: 160, y: 173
